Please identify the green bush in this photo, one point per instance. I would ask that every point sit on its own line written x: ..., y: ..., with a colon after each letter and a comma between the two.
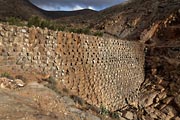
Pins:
x: 34, y: 21
x: 14, y: 21
x: 80, y: 30
x: 7, y: 75
x: 42, y: 23
x: 100, y: 34
x: 104, y: 111
x: 114, y: 115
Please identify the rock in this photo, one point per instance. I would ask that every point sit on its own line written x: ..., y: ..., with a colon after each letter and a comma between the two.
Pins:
x: 84, y: 115
x: 177, y: 118
x: 168, y: 100
x: 129, y: 115
x: 2, y: 34
x: 19, y: 83
x: 23, y: 31
x: 35, y: 85
x: 170, y: 111
x: 154, y: 71
x: 68, y: 101
x: 162, y: 95
x: 33, y: 103
x: 177, y: 100
x: 75, y: 110
x: 122, y: 118
x: 148, y: 99
x: 91, y: 117
x: 147, y: 117
x: 6, y: 83
x: 155, y: 113
x: 150, y: 111
x: 160, y: 114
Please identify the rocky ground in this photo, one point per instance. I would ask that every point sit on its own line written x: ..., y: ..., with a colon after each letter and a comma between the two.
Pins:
x: 23, y: 100
x: 34, y: 101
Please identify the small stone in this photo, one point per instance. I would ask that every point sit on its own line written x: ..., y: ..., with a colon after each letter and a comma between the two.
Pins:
x: 2, y: 34
x: 48, y: 53
x: 154, y: 71
x: 19, y: 83
x: 6, y: 83
x: 129, y: 115
x: 23, y: 31
x: 26, y: 40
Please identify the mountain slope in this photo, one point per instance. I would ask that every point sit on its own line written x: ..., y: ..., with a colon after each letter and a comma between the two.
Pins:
x: 129, y: 20
x: 24, y: 9
x: 18, y: 8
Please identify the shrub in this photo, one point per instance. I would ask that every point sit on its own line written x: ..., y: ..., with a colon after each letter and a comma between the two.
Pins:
x: 80, y: 30
x: 7, y: 75
x: 43, y: 23
x: 34, y: 21
x: 100, y: 34
x: 15, y: 21
x: 104, y: 111
x: 114, y: 115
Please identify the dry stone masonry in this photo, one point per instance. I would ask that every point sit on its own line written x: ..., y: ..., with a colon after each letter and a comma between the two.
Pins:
x: 102, y: 71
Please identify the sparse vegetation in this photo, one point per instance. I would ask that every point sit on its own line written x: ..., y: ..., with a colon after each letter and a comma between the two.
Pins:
x: 100, y: 34
x: 52, y: 84
x: 114, y: 115
x: 80, y: 30
x: 43, y: 23
x: 15, y: 21
x: 104, y: 110
x: 78, y: 100
x: 7, y: 75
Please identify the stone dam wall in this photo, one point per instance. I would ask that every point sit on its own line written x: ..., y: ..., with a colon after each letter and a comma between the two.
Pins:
x: 102, y: 71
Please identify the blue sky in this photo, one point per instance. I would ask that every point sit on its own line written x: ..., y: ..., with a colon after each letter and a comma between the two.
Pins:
x: 68, y: 5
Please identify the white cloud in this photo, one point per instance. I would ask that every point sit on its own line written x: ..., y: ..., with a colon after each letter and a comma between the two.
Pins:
x: 92, y: 8
x: 77, y: 7
x: 68, y: 5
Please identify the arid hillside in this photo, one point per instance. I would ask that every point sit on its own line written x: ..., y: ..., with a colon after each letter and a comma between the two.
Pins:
x: 154, y: 23
x: 130, y: 19
x: 24, y: 9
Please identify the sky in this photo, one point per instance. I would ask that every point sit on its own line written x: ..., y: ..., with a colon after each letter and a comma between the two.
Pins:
x: 69, y: 5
